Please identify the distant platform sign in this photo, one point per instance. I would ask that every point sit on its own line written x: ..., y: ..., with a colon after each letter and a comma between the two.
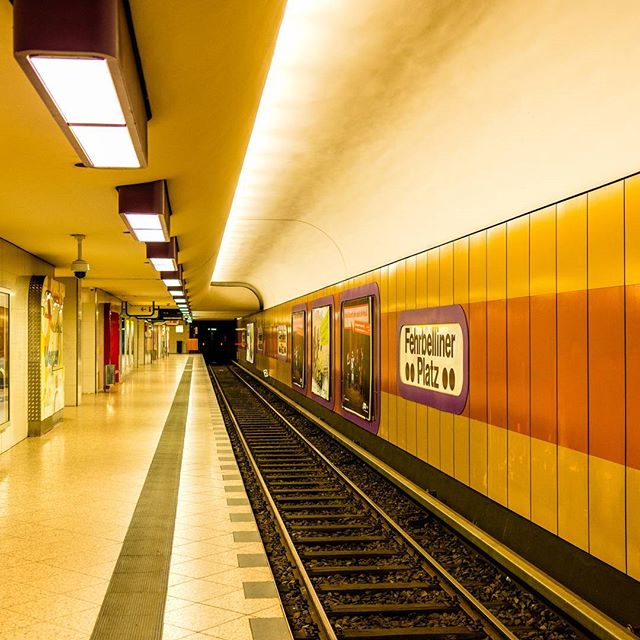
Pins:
x: 433, y: 357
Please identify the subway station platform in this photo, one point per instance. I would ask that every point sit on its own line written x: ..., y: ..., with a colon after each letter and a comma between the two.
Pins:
x: 130, y: 520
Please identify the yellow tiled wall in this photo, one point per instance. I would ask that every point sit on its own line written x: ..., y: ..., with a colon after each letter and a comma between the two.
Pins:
x: 551, y: 429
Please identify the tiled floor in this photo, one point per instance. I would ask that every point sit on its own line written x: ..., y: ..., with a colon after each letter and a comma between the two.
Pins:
x: 66, y: 501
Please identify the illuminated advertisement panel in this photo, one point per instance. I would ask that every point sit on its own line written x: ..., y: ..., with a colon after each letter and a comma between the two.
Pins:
x: 4, y: 358
x: 260, y: 339
x: 433, y: 354
x: 250, y: 355
x: 298, y: 355
x: 321, y: 351
x: 357, y: 357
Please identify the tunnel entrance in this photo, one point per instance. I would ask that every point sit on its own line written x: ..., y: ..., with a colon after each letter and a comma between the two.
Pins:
x: 216, y: 340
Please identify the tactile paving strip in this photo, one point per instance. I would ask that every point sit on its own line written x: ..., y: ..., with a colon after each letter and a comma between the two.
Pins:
x: 133, y: 607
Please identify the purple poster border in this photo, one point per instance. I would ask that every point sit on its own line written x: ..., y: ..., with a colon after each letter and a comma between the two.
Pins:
x: 352, y: 294
x: 326, y: 301
x: 436, y: 315
x: 296, y: 309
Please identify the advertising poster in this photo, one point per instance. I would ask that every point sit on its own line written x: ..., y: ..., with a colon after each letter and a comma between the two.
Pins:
x: 4, y: 358
x: 282, y: 341
x: 260, y: 339
x: 51, y: 371
x: 357, y: 357
x: 321, y: 352
x: 298, y: 339
x: 250, y: 343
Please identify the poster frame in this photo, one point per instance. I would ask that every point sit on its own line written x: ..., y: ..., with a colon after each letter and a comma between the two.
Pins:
x: 297, y: 309
x: 259, y: 339
x: 368, y: 290
x: 326, y: 301
x: 449, y: 314
x: 7, y: 365
x: 250, y: 354
x: 284, y: 329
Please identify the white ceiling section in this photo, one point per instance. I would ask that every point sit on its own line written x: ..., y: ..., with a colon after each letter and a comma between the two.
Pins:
x: 386, y: 128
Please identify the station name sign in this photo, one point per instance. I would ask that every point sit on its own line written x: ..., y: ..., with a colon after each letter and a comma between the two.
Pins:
x: 433, y: 356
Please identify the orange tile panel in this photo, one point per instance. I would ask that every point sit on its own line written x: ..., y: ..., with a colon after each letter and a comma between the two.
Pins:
x: 607, y: 512
x: 433, y: 277
x: 542, y: 243
x: 518, y: 370
x: 605, y: 219
x: 633, y: 523
x: 632, y: 230
x: 572, y: 381
x: 544, y: 484
x: 633, y: 376
x: 543, y: 367
x: 421, y: 280
x: 433, y: 437
x: 421, y: 432
x: 519, y: 472
x: 478, y: 361
x: 461, y: 271
x: 571, y: 228
x: 497, y: 464
x: 478, y: 267
x: 446, y: 442
x: 573, y: 497
x: 518, y: 257
x: 497, y: 363
x: 478, y: 440
x: 607, y: 374
x: 461, y: 446
x: 446, y: 274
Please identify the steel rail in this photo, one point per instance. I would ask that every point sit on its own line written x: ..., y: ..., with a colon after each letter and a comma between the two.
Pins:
x: 495, y: 627
x: 322, y: 617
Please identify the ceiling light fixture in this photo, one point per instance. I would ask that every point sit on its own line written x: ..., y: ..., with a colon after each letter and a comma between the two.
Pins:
x: 81, y: 58
x: 172, y: 278
x: 146, y: 210
x: 163, y: 255
x: 176, y: 293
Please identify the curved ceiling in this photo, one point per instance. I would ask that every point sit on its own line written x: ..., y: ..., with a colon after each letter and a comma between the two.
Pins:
x: 385, y: 128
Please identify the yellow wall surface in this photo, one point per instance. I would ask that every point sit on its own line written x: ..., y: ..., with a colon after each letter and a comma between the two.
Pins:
x: 551, y: 427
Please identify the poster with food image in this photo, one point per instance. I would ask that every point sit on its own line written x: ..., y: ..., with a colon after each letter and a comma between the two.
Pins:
x: 321, y: 352
x: 298, y: 339
x: 250, y: 355
x: 281, y: 334
x: 357, y: 357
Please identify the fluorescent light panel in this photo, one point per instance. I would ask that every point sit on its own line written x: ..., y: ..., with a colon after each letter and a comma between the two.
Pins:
x: 82, y: 89
x: 106, y: 146
x: 176, y: 293
x: 172, y: 282
x: 164, y: 264
x: 149, y: 235
x: 140, y: 221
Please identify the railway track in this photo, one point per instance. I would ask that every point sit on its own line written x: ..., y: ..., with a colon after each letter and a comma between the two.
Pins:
x: 363, y: 574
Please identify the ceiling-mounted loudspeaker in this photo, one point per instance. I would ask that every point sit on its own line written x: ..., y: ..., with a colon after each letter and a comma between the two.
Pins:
x: 146, y: 210
x: 80, y: 57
